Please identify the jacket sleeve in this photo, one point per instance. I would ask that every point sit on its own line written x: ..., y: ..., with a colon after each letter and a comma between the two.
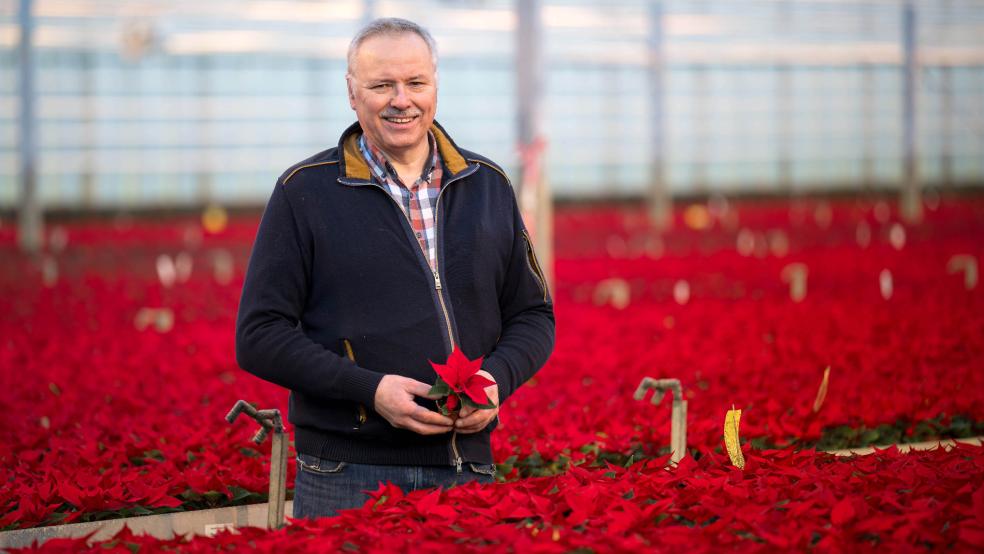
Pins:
x: 526, y: 308
x: 270, y: 342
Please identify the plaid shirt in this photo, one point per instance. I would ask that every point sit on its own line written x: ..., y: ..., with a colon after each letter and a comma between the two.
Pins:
x: 418, y: 200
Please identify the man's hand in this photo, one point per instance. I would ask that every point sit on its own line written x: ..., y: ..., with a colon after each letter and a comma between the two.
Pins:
x: 472, y: 420
x: 394, y: 401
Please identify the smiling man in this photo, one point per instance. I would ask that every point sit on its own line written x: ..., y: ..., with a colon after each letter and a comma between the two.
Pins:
x: 373, y: 259
x: 392, y: 86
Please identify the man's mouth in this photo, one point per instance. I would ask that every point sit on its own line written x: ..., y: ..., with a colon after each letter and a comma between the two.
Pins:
x: 400, y: 119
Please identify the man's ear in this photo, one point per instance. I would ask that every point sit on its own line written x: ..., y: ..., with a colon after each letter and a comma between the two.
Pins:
x: 351, y: 92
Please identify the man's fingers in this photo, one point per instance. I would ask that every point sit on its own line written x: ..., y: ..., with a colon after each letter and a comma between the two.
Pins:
x: 394, y: 401
x: 425, y: 422
x: 471, y: 429
x: 425, y: 429
x: 476, y: 416
x: 475, y: 422
x: 418, y: 388
x: 425, y: 416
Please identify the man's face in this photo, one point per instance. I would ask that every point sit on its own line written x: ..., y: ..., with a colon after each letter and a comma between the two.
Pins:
x: 392, y: 87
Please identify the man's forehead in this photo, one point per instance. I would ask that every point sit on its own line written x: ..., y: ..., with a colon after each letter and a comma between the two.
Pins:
x: 396, y: 72
x: 393, y: 74
x: 411, y: 55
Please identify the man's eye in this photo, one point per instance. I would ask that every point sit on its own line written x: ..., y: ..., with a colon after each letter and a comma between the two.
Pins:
x: 380, y: 86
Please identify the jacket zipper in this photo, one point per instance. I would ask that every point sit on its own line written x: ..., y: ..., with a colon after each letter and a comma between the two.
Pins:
x: 350, y: 354
x: 456, y: 455
x: 447, y: 319
x: 454, y: 448
x: 437, y: 275
x: 534, y: 265
x: 437, y: 264
x: 440, y: 298
x: 438, y: 287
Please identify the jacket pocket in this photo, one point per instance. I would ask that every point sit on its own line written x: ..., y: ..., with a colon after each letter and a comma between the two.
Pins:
x: 483, y: 469
x: 534, y: 265
x: 319, y: 466
x: 361, y: 415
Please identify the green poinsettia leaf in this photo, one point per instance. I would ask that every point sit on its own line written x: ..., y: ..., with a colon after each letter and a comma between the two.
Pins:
x: 440, y: 388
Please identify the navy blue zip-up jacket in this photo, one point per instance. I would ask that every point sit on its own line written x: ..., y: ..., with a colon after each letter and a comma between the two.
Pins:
x: 338, y: 293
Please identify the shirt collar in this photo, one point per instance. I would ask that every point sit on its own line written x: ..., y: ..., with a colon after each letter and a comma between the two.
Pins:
x: 382, y: 169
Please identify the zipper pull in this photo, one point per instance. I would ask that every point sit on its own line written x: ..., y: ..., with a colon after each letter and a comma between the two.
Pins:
x: 437, y: 280
x: 454, y: 450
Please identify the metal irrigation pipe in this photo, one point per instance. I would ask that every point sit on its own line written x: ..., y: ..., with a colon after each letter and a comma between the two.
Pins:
x: 269, y: 420
x: 678, y: 425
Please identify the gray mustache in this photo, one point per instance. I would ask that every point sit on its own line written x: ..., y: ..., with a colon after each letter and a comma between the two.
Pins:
x: 397, y: 113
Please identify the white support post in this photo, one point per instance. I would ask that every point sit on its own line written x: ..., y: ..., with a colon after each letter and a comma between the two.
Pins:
x: 784, y: 105
x: 30, y: 221
x: 910, y: 200
x: 678, y: 418
x: 535, y: 199
x: 278, y: 479
x: 659, y: 203
x: 269, y: 420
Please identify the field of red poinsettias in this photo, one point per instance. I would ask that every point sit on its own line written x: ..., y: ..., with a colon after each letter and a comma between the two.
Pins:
x: 782, y: 499
x: 118, y: 369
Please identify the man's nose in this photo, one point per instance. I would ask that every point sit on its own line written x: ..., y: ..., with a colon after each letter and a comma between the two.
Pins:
x: 400, y: 99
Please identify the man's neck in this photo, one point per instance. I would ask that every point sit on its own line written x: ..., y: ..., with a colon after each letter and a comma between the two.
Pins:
x: 409, y: 164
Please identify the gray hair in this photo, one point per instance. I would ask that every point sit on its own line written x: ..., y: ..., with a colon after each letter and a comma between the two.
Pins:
x: 390, y: 26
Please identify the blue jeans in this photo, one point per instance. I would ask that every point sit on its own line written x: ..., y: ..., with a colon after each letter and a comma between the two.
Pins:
x: 323, y: 487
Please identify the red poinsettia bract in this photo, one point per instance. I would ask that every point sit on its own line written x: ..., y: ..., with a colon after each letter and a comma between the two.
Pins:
x: 459, y: 383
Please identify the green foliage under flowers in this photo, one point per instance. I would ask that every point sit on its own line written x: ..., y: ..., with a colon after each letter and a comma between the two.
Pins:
x: 833, y: 438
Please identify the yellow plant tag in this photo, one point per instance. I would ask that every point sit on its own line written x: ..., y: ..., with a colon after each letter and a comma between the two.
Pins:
x: 731, y: 421
x: 822, y: 393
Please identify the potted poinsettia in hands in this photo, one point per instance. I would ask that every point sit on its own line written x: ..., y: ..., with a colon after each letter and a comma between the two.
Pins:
x: 463, y: 388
